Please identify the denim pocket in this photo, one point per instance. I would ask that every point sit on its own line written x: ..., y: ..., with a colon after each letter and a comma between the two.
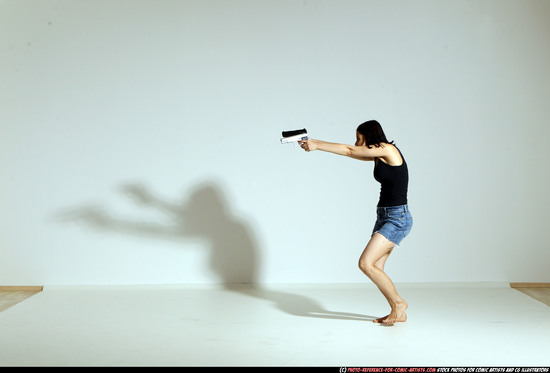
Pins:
x: 396, y: 214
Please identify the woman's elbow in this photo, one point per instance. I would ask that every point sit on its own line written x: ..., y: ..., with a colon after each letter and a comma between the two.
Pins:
x: 357, y: 153
x: 348, y: 152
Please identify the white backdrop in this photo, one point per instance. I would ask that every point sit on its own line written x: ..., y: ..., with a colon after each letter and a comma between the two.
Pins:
x: 140, y: 139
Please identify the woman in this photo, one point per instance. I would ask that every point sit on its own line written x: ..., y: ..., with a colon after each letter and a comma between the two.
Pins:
x: 394, y: 220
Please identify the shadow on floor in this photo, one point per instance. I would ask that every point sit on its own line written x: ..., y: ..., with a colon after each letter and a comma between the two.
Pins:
x: 233, y: 248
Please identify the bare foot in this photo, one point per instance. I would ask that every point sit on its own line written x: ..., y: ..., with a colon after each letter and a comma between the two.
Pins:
x: 397, y: 314
x: 380, y: 320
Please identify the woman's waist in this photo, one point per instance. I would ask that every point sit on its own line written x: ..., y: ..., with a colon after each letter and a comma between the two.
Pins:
x: 387, y: 209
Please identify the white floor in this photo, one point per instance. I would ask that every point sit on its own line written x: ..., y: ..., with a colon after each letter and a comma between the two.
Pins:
x: 285, y: 325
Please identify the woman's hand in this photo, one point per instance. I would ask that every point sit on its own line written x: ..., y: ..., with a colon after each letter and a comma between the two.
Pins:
x: 309, y: 145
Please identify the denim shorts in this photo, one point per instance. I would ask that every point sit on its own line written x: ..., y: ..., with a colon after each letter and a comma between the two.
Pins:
x: 394, y: 222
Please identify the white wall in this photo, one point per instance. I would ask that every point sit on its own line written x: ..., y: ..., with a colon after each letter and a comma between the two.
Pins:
x: 140, y: 139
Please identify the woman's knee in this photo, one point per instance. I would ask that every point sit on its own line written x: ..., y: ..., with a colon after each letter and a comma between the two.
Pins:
x: 366, y: 266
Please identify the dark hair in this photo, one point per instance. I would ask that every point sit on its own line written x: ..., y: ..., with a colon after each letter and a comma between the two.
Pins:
x: 374, y: 135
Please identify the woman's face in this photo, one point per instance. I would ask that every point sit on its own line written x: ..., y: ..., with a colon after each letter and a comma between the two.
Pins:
x: 360, y: 139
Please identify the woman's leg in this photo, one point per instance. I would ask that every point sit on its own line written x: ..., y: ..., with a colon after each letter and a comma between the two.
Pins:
x: 382, y: 261
x: 380, y: 264
x: 372, y: 264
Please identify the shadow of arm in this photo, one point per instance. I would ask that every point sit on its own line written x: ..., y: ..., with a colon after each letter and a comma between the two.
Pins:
x: 141, y: 195
x: 97, y: 218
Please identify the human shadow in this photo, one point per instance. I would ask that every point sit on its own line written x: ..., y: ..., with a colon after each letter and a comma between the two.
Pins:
x: 233, y: 248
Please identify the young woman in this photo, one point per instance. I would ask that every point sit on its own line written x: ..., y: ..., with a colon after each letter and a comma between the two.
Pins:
x: 394, y: 221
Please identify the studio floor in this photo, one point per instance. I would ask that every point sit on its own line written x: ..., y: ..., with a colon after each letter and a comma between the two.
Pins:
x: 275, y: 325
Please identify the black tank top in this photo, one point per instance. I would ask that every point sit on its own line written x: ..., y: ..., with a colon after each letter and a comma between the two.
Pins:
x: 394, y: 182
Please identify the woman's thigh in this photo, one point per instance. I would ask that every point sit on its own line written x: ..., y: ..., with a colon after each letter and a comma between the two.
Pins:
x: 377, y: 250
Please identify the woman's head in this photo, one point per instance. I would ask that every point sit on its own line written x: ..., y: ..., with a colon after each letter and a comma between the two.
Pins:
x: 371, y: 133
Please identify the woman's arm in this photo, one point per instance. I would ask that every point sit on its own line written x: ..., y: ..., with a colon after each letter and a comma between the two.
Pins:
x: 356, y: 152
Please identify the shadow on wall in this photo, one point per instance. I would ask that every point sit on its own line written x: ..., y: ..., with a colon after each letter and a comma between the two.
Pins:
x: 233, y: 249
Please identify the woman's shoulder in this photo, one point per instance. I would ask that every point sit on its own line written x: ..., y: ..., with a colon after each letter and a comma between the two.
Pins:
x: 393, y: 155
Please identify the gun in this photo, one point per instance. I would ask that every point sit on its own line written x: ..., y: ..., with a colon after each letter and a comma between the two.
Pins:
x: 294, y: 136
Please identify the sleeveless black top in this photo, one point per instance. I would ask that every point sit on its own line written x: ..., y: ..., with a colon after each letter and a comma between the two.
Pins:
x: 394, y: 182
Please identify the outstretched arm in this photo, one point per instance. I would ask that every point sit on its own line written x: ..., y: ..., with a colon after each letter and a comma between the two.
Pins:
x: 141, y: 195
x: 356, y: 152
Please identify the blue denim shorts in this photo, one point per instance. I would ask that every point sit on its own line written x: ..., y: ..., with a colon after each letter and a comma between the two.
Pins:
x: 393, y: 222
